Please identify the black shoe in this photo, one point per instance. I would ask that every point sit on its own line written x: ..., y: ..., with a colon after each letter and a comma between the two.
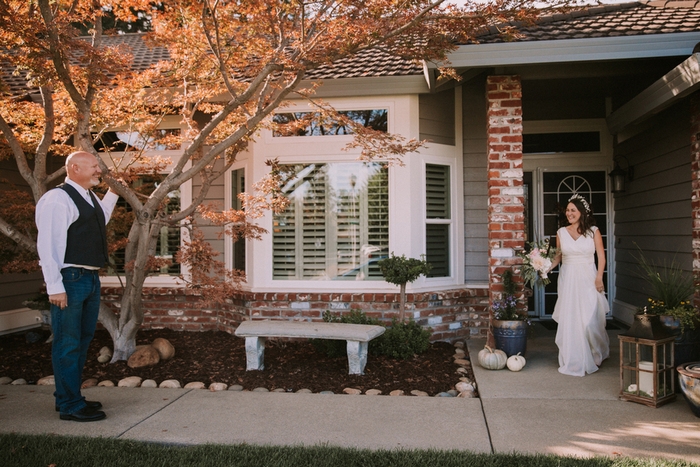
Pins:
x: 84, y: 415
x: 91, y: 405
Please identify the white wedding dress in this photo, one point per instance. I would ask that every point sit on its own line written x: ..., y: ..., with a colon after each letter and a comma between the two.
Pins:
x: 580, y: 309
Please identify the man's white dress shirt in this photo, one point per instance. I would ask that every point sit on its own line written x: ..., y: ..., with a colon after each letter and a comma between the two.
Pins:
x: 55, y: 212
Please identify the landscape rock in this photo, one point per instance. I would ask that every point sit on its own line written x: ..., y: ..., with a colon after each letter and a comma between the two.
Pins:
x: 195, y: 385
x: 418, y: 393
x: 459, y: 353
x: 104, y: 355
x: 235, y: 387
x: 19, y: 382
x: 5, y: 380
x: 304, y: 391
x: 47, y: 381
x: 461, y: 361
x: 261, y: 390
x: 373, y: 392
x: 130, y: 382
x: 396, y: 392
x: 327, y: 392
x: 218, y: 387
x: 149, y: 383
x: 170, y: 384
x: 143, y: 356
x: 444, y: 394
x: 89, y: 383
x: 459, y: 344
x: 279, y: 390
x: 352, y: 391
x: 106, y: 383
x: 164, y: 347
x: 467, y: 394
x: 464, y: 386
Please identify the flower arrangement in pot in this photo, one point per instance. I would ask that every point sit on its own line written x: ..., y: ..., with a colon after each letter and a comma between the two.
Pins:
x: 509, y: 323
x: 673, y: 288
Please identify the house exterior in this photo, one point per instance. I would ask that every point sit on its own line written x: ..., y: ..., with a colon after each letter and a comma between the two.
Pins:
x: 531, y: 122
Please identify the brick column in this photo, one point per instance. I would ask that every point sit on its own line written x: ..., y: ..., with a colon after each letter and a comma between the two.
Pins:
x: 506, y: 209
x: 695, y: 169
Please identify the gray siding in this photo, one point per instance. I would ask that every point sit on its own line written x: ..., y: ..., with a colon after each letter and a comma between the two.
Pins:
x: 476, y: 244
x: 437, y: 117
x: 654, y: 214
x: 215, y: 197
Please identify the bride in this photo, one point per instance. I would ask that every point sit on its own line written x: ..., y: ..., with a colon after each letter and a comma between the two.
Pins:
x: 581, y: 305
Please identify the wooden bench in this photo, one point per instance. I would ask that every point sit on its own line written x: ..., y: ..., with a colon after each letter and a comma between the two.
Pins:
x: 356, y: 335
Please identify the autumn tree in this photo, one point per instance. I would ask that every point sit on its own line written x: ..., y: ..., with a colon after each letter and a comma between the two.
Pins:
x: 226, y: 66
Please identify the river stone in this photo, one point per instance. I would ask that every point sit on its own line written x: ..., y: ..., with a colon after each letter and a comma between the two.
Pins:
x: 304, y: 391
x: 235, y: 387
x: 467, y: 394
x: 453, y: 392
x: 279, y: 390
x: 261, y: 390
x: 130, y: 382
x: 352, y: 391
x: 459, y: 344
x: 396, y: 392
x: 143, y: 357
x: 327, y: 392
x: 19, y: 382
x: 164, y: 347
x: 443, y: 394
x: 89, y: 383
x: 105, y: 355
x: 464, y: 386
x: 149, y: 383
x: 195, y: 385
x: 418, y: 393
x: 47, y: 381
x: 170, y: 384
x: 106, y: 383
x: 459, y: 353
x: 373, y: 392
x: 461, y: 361
x: 462, y: 371
x: 5, y: 380
x: 218, y: 387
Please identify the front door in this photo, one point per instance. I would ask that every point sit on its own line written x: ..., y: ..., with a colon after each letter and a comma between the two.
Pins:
x: 548, y: 193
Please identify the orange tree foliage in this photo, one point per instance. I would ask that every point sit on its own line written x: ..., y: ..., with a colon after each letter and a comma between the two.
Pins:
x: 228, y: 66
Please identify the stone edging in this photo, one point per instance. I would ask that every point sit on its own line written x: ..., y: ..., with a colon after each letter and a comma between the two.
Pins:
x: 463, y: 388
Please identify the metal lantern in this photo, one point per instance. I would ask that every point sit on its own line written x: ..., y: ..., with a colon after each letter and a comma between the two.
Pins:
x: 647, y: 370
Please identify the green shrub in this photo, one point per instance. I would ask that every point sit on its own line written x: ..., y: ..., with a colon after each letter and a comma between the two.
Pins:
x: 404, y: 340
x: 335, y: 348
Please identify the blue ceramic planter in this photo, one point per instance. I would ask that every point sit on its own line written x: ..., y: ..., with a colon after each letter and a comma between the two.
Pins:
x: 510, y: 336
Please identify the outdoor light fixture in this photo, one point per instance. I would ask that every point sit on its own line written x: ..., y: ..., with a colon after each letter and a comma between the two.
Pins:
x: 647, y: 370
x: 618, y: 176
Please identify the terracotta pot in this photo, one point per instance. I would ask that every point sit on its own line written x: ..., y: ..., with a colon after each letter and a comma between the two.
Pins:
x: 689, y: 380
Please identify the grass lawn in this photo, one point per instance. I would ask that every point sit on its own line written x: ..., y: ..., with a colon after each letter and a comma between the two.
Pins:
x: 60, y: 451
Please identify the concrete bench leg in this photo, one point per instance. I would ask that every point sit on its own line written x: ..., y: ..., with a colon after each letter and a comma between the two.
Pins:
x: 255, y: 353
x: 357, y: 357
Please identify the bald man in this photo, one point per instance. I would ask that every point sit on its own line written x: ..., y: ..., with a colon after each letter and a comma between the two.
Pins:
x: 72, y: 246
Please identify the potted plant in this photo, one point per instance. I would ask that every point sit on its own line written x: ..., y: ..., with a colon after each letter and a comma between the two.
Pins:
x: 399, y: 270
x: 673, y: 288
x: 509, y: 324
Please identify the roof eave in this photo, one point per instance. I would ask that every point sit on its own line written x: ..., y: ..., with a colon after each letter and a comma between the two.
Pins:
x: 573, y: 50
x: 673, y: 86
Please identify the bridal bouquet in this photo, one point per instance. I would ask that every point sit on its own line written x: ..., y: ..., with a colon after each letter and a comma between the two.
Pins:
x: 537, y: 262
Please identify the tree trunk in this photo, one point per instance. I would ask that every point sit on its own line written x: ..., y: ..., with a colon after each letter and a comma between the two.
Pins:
x: 402, y: 306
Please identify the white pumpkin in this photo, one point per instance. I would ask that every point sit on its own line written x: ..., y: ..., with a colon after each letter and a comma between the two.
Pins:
x: 515, y: 362
x: 492, y: 359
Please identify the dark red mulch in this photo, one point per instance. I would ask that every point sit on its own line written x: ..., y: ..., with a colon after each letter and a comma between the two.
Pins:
x: 220, y: 357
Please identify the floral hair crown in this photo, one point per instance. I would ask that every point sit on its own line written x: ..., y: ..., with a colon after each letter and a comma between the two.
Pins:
x: 582, y: 200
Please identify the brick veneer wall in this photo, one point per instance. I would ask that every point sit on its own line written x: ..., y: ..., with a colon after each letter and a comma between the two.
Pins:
x: 506, y: 215
x: 451, y: 314
x: 695, y: 149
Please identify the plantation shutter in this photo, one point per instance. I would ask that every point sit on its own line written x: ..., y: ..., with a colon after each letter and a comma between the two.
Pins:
x: 438, y: 209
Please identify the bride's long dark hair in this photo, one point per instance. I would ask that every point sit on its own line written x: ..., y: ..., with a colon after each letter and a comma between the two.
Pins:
x: 587, y: 220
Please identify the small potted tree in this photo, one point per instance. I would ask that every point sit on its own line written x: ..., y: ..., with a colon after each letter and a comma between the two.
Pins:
x: 399, y: 270
x: 509, y: 324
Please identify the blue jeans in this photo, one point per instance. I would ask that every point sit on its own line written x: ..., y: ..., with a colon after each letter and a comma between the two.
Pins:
x: 73, y: 329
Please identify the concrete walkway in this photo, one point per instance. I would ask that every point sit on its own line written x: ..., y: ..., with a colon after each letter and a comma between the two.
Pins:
x: 536, y: 410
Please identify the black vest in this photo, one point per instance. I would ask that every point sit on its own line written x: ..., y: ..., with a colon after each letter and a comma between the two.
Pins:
x: 87, y: 236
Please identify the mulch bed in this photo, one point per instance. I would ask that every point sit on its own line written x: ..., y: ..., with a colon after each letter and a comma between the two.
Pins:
x: 220, y: 357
